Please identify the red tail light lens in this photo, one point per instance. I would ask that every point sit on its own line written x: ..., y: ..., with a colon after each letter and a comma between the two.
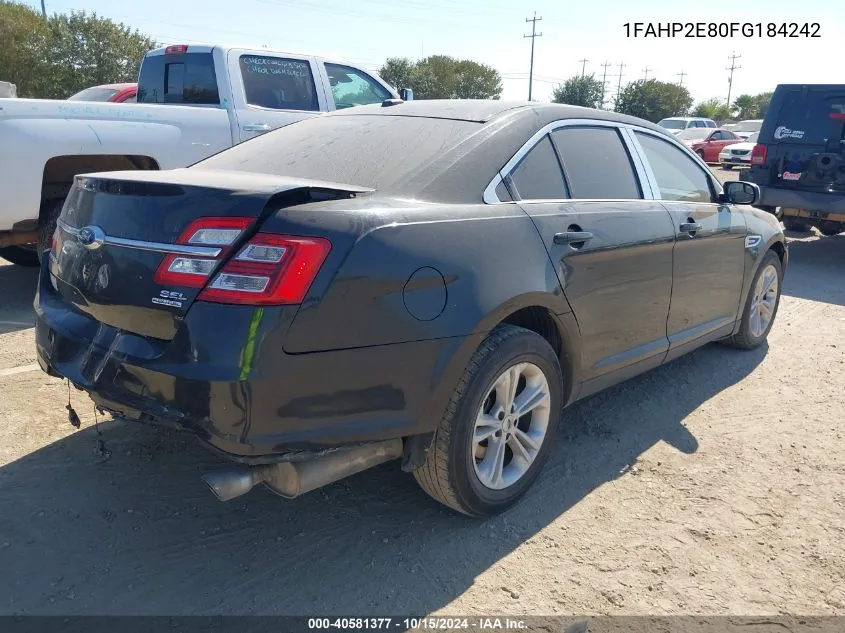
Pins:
x: 758, y: 155
x: 176, y: 49
x: 270, y: 270
x: 192, y: 271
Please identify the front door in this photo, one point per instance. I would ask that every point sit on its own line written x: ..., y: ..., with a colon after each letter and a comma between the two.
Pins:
x: 709, y: 254
x: 611, y: 248
x: 271, y: 91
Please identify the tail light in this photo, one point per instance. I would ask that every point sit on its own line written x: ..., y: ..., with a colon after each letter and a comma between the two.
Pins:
x: 192, y: 271
x: 270, y: 270
x: 176, y: 49
x: 758, y: 155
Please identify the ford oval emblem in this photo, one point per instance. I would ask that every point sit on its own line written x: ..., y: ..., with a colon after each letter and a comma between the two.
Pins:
x: 91, y: 237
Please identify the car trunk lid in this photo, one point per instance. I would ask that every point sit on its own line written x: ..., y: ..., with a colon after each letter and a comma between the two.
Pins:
x: 116, y: 229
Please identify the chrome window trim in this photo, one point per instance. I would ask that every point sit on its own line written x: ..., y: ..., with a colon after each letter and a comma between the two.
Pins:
x: 638, y: 160
x: 155, y: 247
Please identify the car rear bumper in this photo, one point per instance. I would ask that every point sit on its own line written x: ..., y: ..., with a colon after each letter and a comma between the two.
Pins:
x: 225, y: 378
x: 797, y: 199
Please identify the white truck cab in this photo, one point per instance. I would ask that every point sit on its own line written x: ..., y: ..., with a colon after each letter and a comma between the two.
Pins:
x: 193, y: 101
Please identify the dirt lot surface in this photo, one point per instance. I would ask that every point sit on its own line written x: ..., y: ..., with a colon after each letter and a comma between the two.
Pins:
x: 715, y: 485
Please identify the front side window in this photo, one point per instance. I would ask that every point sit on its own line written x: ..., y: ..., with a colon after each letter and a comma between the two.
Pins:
x: 538, y: 175
x: 352, y: 87
x: 278, y: 83
x: 678, y: 176
x: 596, y: 163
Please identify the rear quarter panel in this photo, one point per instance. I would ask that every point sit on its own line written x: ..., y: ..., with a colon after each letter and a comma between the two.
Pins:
x: 423, y: 273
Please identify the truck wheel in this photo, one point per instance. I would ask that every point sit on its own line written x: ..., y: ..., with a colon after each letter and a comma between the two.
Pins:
x: 499, y: 426
x: 20, y: 255
x: 792, y: 223
x: 831, y: 228
x: 761, y: 304
x: 50, y: 212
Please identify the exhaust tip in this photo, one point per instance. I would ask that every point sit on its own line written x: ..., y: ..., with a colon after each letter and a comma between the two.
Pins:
x: 230, y: 483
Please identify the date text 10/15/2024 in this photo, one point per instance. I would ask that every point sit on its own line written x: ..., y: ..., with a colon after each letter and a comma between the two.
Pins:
x: 722, y: 29
x: 418, y: 624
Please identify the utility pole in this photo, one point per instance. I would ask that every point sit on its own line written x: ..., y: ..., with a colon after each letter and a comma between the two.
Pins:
x: 733, y: 67
x: 681, y: 74
x: 645, y: 70
x: 604, y: 81
x: 43, y: 9
x: 619, y: 85
x: 533, y: 36
x: 583, y: 66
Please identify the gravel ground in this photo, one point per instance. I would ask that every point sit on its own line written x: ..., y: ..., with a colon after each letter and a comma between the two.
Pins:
x: 715, y: 485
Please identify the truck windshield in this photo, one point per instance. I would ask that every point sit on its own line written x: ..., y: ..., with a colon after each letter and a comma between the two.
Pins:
x: 187, y: 78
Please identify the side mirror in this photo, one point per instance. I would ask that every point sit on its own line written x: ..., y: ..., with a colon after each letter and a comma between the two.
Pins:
x: 406, y: 94
x: 738, y: 192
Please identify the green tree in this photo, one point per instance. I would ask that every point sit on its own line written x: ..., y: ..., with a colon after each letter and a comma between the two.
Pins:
x: 763, y: 100
x: 443, y: 77
x: 86, y: 50
x: 746, y: 106
x: 707, y: 109
x: 583, y: 91
x: 653, y: 100
x: 397, y: 72
x: 24, y: 36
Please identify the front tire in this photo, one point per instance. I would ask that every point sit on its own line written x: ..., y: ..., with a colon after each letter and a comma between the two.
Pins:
x: 50, y: 212
x: 761, y: 304
x: 20, y: 255
x: 499, y: 425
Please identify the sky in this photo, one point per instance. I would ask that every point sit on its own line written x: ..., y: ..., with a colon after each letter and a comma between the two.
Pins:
x: 492, y: 32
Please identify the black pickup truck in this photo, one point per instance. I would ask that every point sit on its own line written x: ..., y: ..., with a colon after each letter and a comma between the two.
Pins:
x: 799, y: 159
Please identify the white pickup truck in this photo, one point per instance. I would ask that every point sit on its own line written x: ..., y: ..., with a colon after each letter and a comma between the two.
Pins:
x: 193, y: 101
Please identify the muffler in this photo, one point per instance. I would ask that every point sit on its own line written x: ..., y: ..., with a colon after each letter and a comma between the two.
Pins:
x: 292, y: 479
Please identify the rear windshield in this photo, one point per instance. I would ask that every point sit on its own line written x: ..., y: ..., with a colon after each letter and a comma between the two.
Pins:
x: 94, y: 94
x: 670, y: 124
x: 378, y: 151
x: 811, y: 117
x: 179, y: 79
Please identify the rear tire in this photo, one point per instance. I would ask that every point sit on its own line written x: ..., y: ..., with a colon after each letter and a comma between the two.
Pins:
x: 761, y: 304
x: 700, y: 154
x: 831, y: 229
x: 792, y: 223
x: 20, y: 255
x: 50, y: 211
x: 473, y: 468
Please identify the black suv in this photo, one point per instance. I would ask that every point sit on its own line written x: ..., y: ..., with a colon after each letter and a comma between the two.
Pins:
x: 799, y: 161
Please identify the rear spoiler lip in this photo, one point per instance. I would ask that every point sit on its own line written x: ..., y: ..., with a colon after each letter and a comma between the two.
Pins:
x: 227, y: 180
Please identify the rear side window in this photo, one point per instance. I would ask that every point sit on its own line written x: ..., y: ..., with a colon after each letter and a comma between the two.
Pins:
x: 352, y: 87
x: 596, y: 163
x: 678, y: 176
x: 279, y: 83
x: 709, y: 123
x: 813, y: 116
x: 538, y: 175
x: 179, y: 79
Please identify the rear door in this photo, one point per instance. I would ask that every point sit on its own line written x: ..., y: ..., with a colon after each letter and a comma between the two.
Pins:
x: 611, y: 247
x: 272, y: 90
x: 709, y: 254
x: 808, y: 151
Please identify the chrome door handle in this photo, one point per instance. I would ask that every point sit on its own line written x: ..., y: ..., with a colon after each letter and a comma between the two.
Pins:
x: 256, y: 127
x: 690, y: 227
x: 572, y: 237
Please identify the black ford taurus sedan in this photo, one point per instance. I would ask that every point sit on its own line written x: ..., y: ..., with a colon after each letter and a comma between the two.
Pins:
x: 430, y: 281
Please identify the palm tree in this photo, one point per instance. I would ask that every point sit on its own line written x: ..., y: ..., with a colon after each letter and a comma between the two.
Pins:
x: 747, y: 106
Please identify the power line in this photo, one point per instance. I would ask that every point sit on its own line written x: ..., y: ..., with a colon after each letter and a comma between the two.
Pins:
x: 604, y: 81
x: 681, y: 74
x: 534, y: 35
x: 733, y: 67
x: 646, y: 71
x: 583, y: 66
